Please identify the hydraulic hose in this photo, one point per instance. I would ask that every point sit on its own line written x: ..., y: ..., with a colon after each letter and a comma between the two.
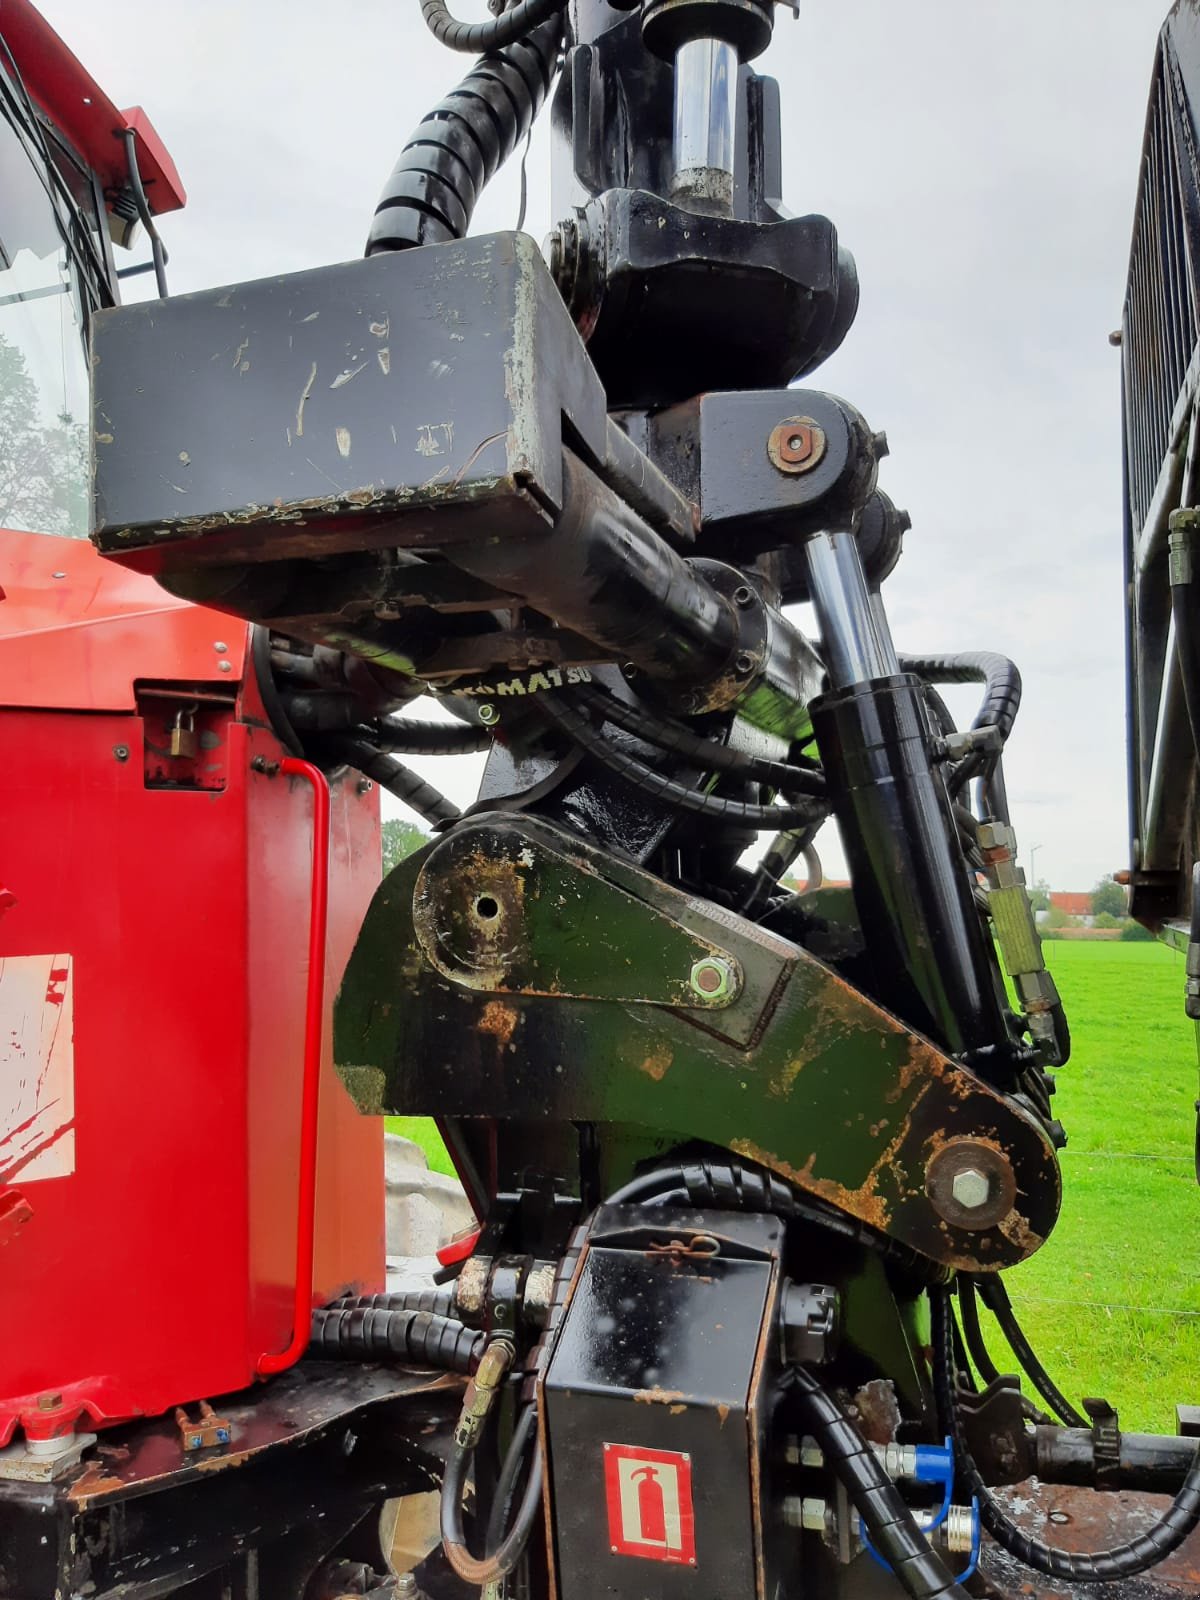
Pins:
x: 706, y: 753
x: 995, y: 1296
x: 419, y: 1337
x: 734, y: 1186
x: 516, y: 1457
x: 439, y: 1301
x: 1002, y: 694
x: 412, y: 737
x: 973, y: 1334
x: 478, y: 1405
x: 579, y: 728
x: 462, y: 143
x: 894, y: 1534
x: 490, y: 1568
x: 392, y: 775
x: 1123, y: 1561
x: 469, y: 37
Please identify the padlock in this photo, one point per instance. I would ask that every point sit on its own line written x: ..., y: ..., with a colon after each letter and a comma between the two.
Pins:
x: 183, y: 734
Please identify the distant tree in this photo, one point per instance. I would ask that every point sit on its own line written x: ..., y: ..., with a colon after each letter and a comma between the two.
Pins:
x: 1134, y: 932
x: 401, y: 839
x: 1108, y: 897
x: 1039, y: 896
x: 1058, y: 918
x: 43, y: 470
x: 1105, y: 919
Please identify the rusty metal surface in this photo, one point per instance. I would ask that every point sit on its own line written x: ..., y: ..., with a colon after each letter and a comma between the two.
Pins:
x: 783, y: 1076
x: 152, y: 1455
x: 1084, y: 1521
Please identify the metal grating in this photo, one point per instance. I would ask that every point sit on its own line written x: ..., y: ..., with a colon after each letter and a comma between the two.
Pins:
x: 1160, y: 322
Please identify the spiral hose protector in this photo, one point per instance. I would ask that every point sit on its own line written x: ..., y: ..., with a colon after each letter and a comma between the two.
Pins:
x: 1002, y: 694
x: 420, y: 1337
x: 1124, y: 1561
x: 439, y: 1301
x: 462, y: 143
x: 919, y: 1569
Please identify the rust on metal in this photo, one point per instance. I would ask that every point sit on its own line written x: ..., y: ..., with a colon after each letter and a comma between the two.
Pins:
x: 796, y: 445
x: 499, y: 1020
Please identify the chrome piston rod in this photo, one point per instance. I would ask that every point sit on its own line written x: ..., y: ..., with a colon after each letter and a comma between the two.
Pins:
x: 706, y: 91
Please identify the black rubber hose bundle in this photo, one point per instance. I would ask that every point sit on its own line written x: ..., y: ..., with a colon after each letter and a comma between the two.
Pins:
x: 419, y: 1337
x: 1124, y: 1561
x: 995, y: 1297
x: 579, y: 727
x: 510, y: 25
x: 463, y: 142
x: 439, y: 1301
x: 490, y: 1568
x: 397, y: 779
x: 894, y: 1534
x: 412, y: 737
x: 734, y: 1186
x: 705, y: 753
x: 1002, y: 692
x: 973, y: 1333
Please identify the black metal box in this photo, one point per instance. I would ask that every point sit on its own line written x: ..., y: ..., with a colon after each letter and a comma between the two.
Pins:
x: 656, y: 1401
x: 339, y: 409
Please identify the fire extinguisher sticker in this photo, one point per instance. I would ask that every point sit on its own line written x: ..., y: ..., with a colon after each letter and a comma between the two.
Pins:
x: 649, y: 1495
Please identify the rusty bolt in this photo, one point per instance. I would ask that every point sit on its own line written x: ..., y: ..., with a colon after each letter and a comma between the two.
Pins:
x: 716, y: 980
x: 49, y: 1402
x: 796, y: 445
x: 971, y: 1184
x: 743, y: 663
x: 971, y: 1189
x: 743, y: 596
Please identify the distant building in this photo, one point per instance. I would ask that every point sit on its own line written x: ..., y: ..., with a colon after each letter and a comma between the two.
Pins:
x: 1072, y: 904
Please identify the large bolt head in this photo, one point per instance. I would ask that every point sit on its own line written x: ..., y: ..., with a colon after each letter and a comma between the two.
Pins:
x: 971, y: 1189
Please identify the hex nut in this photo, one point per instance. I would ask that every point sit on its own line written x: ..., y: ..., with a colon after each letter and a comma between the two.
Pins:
x: 715, y: 980
x: 796, y: 445
x: 971, y: 1189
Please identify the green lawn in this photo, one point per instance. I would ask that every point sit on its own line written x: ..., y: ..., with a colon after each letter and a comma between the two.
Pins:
x: 423, y: 1131
x: 1112, y: 1302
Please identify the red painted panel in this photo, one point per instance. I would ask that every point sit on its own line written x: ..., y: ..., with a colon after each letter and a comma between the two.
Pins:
x: 161, y: 1266
x: 78, y: 631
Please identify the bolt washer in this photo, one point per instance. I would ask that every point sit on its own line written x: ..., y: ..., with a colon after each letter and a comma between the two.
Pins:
x: 796, y: 445
x: 954, y: 1159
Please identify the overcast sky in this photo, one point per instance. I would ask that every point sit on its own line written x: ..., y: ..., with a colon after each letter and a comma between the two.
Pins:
x: 980, y: 159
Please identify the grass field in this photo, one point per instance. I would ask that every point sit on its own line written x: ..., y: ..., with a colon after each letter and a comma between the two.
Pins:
x: 1112, y: 1302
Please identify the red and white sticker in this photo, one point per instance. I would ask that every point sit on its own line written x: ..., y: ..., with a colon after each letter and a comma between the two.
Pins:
x: 649, y: 1494
x: 37, y: 1068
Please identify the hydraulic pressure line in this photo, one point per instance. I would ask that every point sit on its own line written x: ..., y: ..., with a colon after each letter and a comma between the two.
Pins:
x: 462, y: 143
x: 410, y: 736
x: 392, y: 775
x: 734, y: 1186
x: 1002, y: 694
x: 1123, y: 1561
x: 894, y: 1533
x: 471, y: 37
x: 715, y: 807
x: 968, y: 1308
x: 995, y: 1297
x: 705, y: 753
x: 420, y: 1337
